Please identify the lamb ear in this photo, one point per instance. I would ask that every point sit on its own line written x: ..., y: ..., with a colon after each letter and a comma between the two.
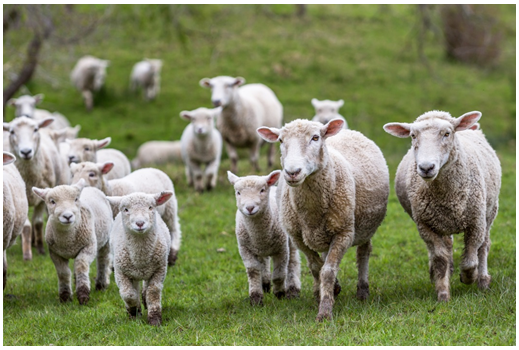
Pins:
x: 11, y: 102
x: 80, y: 184
x: 273, y: 177
x: 102, y: 143
x: 162, y: 197
x: 6, y: 127
x: 268, y: 134
x: 333, y: 127
x: 398, y: 129
x: 185, y: 115
x: 217, y: 111
x: 340, y: 103
x: 45, y: 122
x: 239, y: 81
x: 40, y: 192
x: 232, y: 178
x: 205, y: 83
x: 466, y: 120
x: 38, y: 98
x: 114, y: 201
x: 105, y: 168
x: 8, y: 158
x: 475, y: 127
x: 76, y: 129
x: 315, y: 102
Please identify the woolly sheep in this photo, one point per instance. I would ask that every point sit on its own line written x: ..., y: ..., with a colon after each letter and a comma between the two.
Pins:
x: 244, y: 109
x: 147, y: 180
x: 26, y: 106
x: 15, y: 205
x: 157, y: 153
x: 79, y: 224
x: 140, y: 244
x: 260, y: 237
x: 39, y: 164
x: 88, y: 76
x: 449, y: 182
x: 327, y: 110
x: 201, y: 146
x: 333, y: 196
x: 88, y: 150
x: 146, y: 74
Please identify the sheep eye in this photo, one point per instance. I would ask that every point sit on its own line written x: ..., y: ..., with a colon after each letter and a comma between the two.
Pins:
x: 91, y: 174
x: 280, y: 141
x: 35, y: 129
x: 11, y: 132
x: 52, y: 201
x: 87, y: 149
x: 413, y: 136
x: 150, y: 208
x: 315, y: 138
x: 76, y: 199
x: 238, y: 193
x: 262, y: 190
x: 447, y: 134
x: 125, y: 210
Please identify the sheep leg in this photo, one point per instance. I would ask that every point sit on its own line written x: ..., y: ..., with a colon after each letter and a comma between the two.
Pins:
x: 474, y: 239
x: 26, y: 240
x: 233, y: 155
x: 37, y: 226
x: 254, y: 266
x: 363, y: 253
x: 265, y: 274
x: 88, y: 98
x: 144, y: 287
x: 293, y: 281
x: 103, y: 267
x: 153, y: 297
x: 211, y: 173
x: 63, y: 271
x: 254, y: 156
x: 315, y: 262
x: 483, y: 277
x: 5, y: 269
x: 170, y: 217
x: 189, y: 176
x: 279, y: 274
x: 129, y: 291
x: 81, y: 270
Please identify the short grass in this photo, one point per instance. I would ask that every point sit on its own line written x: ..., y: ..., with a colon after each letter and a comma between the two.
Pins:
x: 363, y: 54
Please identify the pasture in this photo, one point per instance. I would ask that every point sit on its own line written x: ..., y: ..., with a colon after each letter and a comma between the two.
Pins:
x: 364, y: 54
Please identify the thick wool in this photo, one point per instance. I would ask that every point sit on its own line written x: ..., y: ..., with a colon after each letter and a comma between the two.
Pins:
x: 157, y: 153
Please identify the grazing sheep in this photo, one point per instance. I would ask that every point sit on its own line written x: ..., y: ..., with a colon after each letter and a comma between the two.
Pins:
x: 79, y: 224
x: 334, y: 196
x: 157, y: 153
x: 201, y: 146
x: 327, y: 110
x: 147, y: 180
x: 146, y: 74
x: 87, y: 150
x: 244, y: 109
x: 140, y: 244
x: 260, y: 237
x: 88, y: 76
x: 449, y: 182
x: 26, y: 106
x: 16, y: 207
x: 39, y: 164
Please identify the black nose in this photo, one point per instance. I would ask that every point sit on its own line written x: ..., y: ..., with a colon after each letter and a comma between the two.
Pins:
x: 217, y: 103
x: 26, y: 151
x: 294, y: 173
x: 426, y: 167
x: 250, y: 209
x: 139, y: 223
x: 67, y: 216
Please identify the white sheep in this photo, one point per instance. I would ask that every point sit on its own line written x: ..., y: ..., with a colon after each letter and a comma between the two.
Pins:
x: 140, y: 244
x: 449, y: 182
x: 39, y: 164
x: 146, y: 75
x: 16, y: 207
x: 244, y: 109
x: 26, y: 106
x: 78, y: 228
x: 333, y: 196
x: 88, y: 150
x: 157, y: 153
x: 201, y: 146
x: 327, y: 110
x: 261, y: 237
x: 147, y: 180
x: 88, y: 76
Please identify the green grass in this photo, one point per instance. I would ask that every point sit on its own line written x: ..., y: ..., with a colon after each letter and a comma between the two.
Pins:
x: 363, y: 54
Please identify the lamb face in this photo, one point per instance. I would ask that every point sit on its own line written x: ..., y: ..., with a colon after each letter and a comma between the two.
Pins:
x: 25, y: 105
x: 84, y: 150
x: 252, y: 192
x: 24, y: 136
x: 90, y: 172
x: 222, y: 88
x: 202, y: 120
x: 326, y: 110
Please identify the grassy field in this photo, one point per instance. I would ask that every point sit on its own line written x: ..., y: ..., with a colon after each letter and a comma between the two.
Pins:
x: 364, y: 54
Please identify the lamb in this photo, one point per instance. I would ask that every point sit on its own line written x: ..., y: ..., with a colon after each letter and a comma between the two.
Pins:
x: 146, y: 74
x: 88, y: 76
x: 88, y: 150
x: 79, y: 224
x: 26, y: 105
x: 201, y: 145
x: 260, y: 237
x: 327, y: 110
x: 334, y: 196
x: 157, y: 153
x: 147, y: 180
x: 16, y: 207
x: 244, y: 109
x: 140, y: 243
x: 449, y: 182
x: 39, y: 164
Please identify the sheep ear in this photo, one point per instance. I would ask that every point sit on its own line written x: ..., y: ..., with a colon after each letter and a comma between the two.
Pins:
x: 38, y: 98
x: 340, y: 103
x: 114, y: 201
x: 76, y: 130
x: 40, y: 192
x: 162, y: 197
x: 475, y: 127
x: 398, y: 129
x: 205, y: 83
x: 232, y: 178
x: 11, y: 102
x: 6, y: 127
x: 73, y: 167
x: 80, y: 184
x: 105, y: 168
x: 8, y: 158
x: 45, y: 122
x: 315, y: 102
x: 466, y: 120
x: 268, y: 134
x: 217, y: 111
x: 333, y: 127
x: 103, y: 143
x: 185, y: 115
x: 239, y: 81
x: 273, y: 177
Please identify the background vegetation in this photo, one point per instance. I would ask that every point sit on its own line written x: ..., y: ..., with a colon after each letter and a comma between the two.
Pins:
x: 385, y: 66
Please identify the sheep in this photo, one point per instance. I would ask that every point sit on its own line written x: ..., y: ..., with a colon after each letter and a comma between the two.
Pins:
x: 78, y: 227
x: 146, y: 74
x: 449, y: 182
x: 140, y: 244
x: 201, y: 145
x: 146, y: 180
x: 39, y: 164
x: 333, y: 196
x: 327, y: 110
x: 157, y: 153
x: 244, y: 109
x: 260, y: 237
x: 88, y: 150
x: 88, y: 76
x: 16, y: 207
x: 26, y: 105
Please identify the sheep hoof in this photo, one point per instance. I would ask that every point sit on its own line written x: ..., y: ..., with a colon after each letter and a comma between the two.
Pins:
x: 443, y: 296
x: 484, y: 282
x: 336, y: 288
x: 468, y: 276
x: 280, y: 294
x: 155, y: 318
x: 41, y: 250
x: 362, y: 291
x: 101, y: 286
x: 256, y: 299
x: 266, y: 287
x: 293, y: 292
x: 134, y: 311
x: 172, y: 258
x: 325, y: 310
x: 27, y: 255
x: 65, y: 297
x: 83, y: 295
